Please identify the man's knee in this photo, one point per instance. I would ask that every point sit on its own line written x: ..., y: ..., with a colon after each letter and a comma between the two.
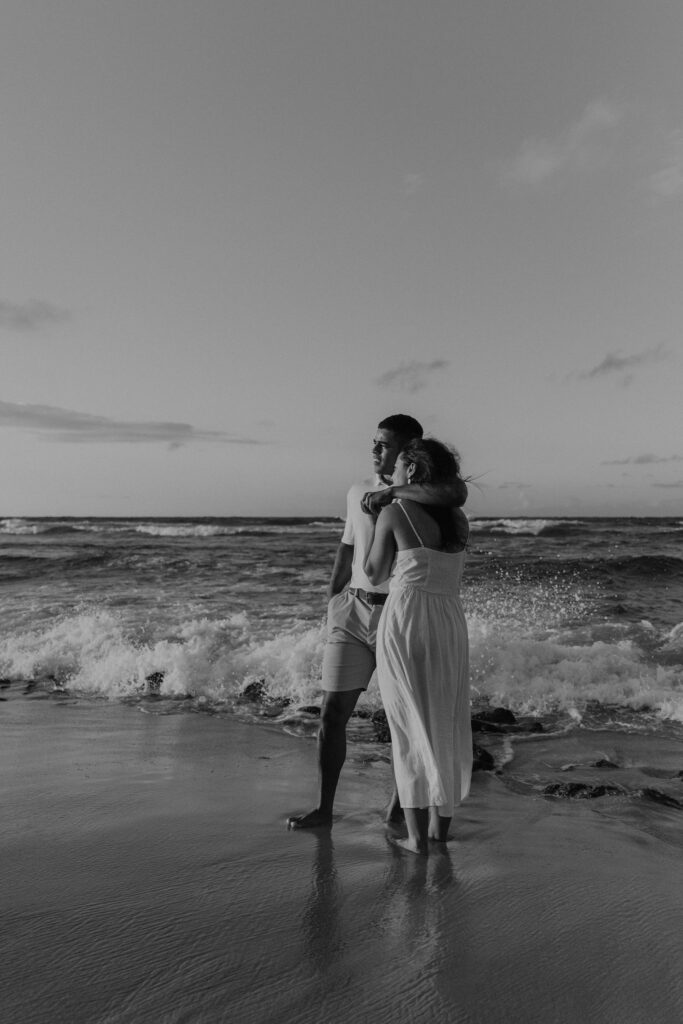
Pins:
x: 337, y: 708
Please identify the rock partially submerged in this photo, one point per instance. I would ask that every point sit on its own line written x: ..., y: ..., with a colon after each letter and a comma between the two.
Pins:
x: 482, y: 760
x: 154, y: 681
x: 593, y: 791
x: 254, y: 691
x: 498, y: 716
x: 581, y: 790
x: 602, y: 762
x: 502, y: 720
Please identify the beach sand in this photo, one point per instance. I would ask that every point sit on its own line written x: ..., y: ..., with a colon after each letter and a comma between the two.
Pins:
x: 148, y: 876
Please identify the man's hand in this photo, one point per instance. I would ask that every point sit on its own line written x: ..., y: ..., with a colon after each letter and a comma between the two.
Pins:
x: 373, y: 502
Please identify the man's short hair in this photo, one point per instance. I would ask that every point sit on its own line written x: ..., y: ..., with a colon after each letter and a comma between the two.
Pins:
x: 405, y: 427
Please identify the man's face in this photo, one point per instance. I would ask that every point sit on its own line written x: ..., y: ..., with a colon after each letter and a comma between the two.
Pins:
x: 385, y: 449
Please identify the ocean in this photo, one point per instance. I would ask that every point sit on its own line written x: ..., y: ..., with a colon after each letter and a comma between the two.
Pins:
x: 576, y: 628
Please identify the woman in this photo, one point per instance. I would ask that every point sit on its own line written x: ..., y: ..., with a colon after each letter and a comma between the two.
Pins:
x: 422, y: 646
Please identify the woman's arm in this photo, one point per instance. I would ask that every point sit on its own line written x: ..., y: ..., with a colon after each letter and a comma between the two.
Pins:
x: 451, y: 494
x: 380, y: 558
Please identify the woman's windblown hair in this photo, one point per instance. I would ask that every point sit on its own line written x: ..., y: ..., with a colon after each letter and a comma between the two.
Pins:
x: 436, y: 463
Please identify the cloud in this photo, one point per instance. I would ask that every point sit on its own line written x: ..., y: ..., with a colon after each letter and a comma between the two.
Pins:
x: 507, y: 484
x: 667, y: 183
x: 411, y: 376
x: 65, y: 425
x: 613, y: 363
x: 643, y: 460
x: 30, y: 316
x: 676, y: 483
x: 581, y: 146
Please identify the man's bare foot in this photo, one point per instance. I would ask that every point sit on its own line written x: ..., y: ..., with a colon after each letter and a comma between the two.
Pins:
x: 314, y: 819
x: 409, y: 845
x: 394, y: 815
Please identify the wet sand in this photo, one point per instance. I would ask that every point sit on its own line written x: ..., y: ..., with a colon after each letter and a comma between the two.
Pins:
x: 148, y: 876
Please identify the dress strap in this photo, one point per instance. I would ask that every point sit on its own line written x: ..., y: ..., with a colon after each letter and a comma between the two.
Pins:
x: 405, y: 513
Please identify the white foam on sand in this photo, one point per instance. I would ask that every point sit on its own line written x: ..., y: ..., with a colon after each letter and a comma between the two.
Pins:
x: 148, y: 876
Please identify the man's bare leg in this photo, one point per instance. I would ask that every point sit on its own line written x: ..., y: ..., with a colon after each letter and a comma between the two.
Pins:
x: 335, y: 713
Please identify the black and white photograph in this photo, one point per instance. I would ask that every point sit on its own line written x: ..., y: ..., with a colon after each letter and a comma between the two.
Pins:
x: 341, y: 527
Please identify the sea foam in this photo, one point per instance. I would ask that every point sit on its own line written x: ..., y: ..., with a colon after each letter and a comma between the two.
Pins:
x: 96, y: 653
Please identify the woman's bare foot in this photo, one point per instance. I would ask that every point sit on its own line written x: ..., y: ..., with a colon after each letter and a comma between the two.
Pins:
x: 410, y: 845
x: 314, y: 819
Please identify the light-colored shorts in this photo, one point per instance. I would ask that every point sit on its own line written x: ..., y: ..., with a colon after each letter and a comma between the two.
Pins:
x: 349, y: 657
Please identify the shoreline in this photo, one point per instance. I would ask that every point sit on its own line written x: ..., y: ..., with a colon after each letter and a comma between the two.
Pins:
x: 149, y: 876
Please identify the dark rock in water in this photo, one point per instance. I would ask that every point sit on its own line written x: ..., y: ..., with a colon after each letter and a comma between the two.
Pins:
x: 602, y: 763
x: 310, y: 709
x: 478, y: 725
x: 620, y: 609
x: 660, y: 798
x: 482, y: 761
x: 381, y: 726
x: 254, y: 690
x: 154, y: 681
x: 581, y: 790
x: 503, y: 716
x: 500, y: 720
x: 5, y: 684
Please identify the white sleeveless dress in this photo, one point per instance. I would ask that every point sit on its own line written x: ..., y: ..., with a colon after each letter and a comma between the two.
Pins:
x: 423, y: 676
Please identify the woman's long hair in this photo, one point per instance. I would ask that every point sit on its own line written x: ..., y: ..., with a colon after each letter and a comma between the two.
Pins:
x: 436, y: 463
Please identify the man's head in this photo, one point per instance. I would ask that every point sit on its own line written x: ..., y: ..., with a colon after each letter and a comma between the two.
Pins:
x: 392, y: 434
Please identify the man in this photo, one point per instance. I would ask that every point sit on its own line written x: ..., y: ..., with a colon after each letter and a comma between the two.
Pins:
x: 354, y: 610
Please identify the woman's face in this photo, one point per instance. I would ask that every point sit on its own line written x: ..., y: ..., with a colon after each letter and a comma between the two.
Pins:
x: 400, y: 474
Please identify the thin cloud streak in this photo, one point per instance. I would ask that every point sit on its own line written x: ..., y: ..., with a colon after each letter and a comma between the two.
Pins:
x: 410, y: 377
x: 581, y: 146
x: 613, y: 363
x: 66, y: 425
x: 30, y: 316
x: 643, y: 460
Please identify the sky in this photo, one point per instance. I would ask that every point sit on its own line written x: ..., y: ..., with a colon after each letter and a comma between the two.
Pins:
x: 236, y: 234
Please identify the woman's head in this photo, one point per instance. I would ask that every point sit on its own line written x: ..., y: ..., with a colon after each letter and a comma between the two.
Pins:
x: 427, y: 461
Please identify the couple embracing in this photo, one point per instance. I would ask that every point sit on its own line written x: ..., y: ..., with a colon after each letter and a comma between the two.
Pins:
x: 411, y: 627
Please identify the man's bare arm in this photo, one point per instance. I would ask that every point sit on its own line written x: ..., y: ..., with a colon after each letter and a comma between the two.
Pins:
x: 341, y: 571
x: 448, y: 495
